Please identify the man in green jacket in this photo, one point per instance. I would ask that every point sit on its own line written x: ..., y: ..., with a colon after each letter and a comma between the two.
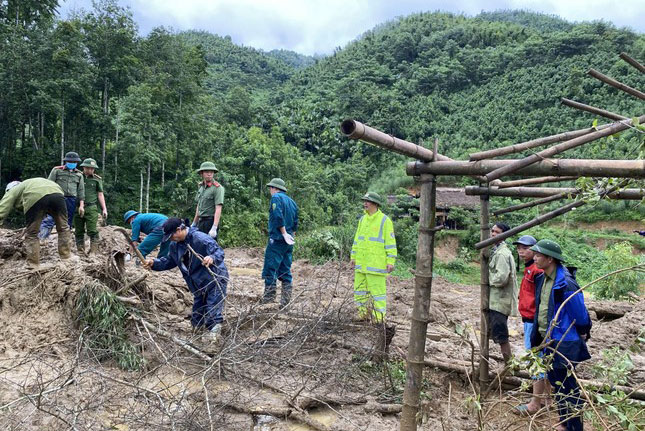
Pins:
x: 93, y: 197
x: 38, y: 197
x: 209, y: 198
x: 71, y: 181
x: 503, y: 291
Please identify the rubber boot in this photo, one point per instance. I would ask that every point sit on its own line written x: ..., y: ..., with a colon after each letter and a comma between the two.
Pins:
x: 94, y: 246
x: 269, y: 294
x: 63, y: 244
x: 285, y: 297
x: 32, y: 248
x: 80, y: 248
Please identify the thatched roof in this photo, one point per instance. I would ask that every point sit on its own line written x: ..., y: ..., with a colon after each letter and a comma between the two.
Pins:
x: 448, y: 197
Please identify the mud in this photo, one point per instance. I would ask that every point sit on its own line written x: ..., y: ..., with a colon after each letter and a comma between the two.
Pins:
x: 270, y: 370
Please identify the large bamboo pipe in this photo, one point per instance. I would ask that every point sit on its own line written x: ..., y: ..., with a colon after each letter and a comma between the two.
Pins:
x: 530, y: 181
x: 559, y: 148
x: 633, y: 62
x: 356, y: 130
x: 559, y: 167
x: 542, y: 192
x: 619, y: 85
x: 593, y: 110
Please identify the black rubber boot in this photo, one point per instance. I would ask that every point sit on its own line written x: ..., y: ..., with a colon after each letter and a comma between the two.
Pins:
x: 269, y: 294
x: 285, y: 298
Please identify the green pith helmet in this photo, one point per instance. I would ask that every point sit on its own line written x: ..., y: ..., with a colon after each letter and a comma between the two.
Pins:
x: 549, y: 248
x: 207, y: 166
x: 278, y: 183
x: 72, y: 157
x: 89, y: 163
x: 373, y: 197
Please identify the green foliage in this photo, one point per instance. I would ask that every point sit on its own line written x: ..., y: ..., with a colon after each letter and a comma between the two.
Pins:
x: 623, y: 284
x: 103, y: 319
x: 326, y: 244
x: 614, y: 366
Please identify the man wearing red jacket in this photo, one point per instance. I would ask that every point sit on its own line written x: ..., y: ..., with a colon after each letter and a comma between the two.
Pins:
x: 526, y: 307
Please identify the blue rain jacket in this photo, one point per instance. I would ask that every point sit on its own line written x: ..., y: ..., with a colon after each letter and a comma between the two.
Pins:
x: 146, y: 223
x: 570, y: 333
x: 195, y: 274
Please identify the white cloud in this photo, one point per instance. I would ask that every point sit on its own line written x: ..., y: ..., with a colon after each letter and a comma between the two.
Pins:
x: 309, y: 26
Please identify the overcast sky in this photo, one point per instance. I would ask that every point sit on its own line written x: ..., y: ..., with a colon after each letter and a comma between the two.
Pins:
x: 317, y: 27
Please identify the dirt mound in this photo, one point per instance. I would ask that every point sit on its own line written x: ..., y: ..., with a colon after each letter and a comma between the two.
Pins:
x: 310, y: 366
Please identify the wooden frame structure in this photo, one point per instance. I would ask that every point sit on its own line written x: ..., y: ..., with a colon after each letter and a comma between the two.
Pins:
x: 429, y: 164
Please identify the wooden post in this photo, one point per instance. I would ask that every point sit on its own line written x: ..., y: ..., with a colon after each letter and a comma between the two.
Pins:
x: 357, y: 130
x: 560, y: 167
x: 633, y: 62
x: 557, y: 149
x: 421, y: 308
x: 619, y: 85
x: 593, y: 109
x: 484, y: 292
x: 517, y: 148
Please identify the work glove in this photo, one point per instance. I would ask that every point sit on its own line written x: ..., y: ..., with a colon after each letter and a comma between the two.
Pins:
x: 213, y: 232
x: 194, y: 224
x: 128, y: 257
x: 288, y: 239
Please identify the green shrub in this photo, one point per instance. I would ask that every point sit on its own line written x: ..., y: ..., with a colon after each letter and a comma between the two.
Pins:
x: 622, y: 284
x: 326, y: 244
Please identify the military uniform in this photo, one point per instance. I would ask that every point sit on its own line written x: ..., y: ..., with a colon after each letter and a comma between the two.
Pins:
x: 71, y: 181
x: 93, y: 185
x: 38, y: 197
x: 208, y: 197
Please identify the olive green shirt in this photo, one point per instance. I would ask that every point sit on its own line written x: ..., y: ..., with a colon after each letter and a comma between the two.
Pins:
x: 503, y: 281
x: 543, y: 312
x: 26, y: 194
x: 93, y: 186
x: 70, y: 181
x: 208, y: 197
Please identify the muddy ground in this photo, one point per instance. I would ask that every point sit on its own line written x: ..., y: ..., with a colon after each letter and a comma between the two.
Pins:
x: 310, y: 366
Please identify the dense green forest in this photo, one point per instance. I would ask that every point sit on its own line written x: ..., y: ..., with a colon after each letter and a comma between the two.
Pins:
x: 151, y: 108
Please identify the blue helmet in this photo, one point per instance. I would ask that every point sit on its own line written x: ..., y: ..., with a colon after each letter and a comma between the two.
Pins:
x: 525, y: 240
x: 129, y: 214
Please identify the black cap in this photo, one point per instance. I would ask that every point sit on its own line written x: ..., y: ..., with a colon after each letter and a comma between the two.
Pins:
x: 170, y: 226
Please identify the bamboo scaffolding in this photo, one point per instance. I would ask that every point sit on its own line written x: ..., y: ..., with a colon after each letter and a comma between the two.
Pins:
x: 484, y: 295
x: 536, y: 221
x: 356, y: 130
x: 617, y: 84
x: 540, y: 192
x: 593, y: 109
x: 421, y: 307
x: 559, y: 148
x: 517, y: 148
x: 559, y: 167
x: 531, y: 204
x: 530, y: 181
x: 633, y: 62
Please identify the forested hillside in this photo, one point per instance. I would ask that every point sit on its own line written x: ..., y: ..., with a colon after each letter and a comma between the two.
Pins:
x: 151, y: 109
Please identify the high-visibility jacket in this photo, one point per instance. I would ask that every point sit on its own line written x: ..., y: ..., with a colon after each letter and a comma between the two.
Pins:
x: 374, y: 244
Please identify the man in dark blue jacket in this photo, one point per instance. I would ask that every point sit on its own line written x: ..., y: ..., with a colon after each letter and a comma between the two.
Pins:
x: 562, y: 327
x: 194, y: 253
x: 283, y: 223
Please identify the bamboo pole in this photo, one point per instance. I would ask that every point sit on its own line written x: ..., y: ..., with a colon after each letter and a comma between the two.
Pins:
x: 421, y: 308
x: 559, y: 167
x: 617, y: 84
x: 536, y: 221
x: 633, y: 62
x: 593, y: 109
x: 530, y: 204
x: 557, y: 149
x: 517, y: 148
x: 484, y: 293
x: 530, y: 181
x: 356, y: 130
x: 540, y: 192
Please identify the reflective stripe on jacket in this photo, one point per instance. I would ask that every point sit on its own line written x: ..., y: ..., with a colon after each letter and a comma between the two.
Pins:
x: 374, y: 244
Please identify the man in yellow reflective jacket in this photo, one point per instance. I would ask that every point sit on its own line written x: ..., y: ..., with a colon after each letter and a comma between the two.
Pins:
x: 373, y: 256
